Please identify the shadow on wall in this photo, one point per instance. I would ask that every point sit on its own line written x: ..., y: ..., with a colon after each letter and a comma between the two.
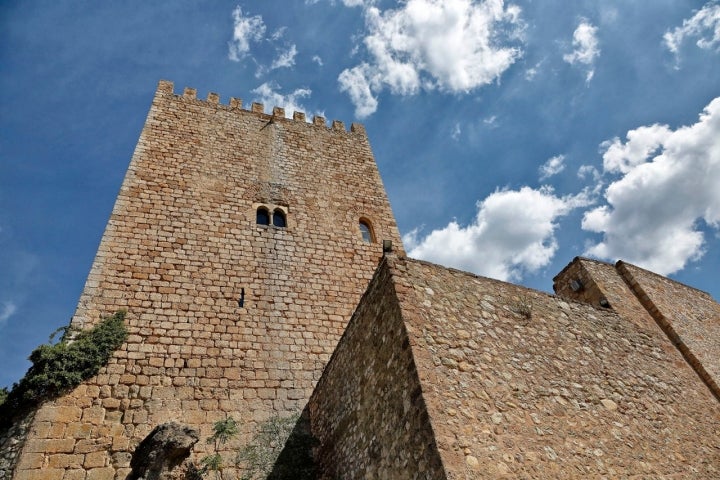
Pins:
x: 295, y: 461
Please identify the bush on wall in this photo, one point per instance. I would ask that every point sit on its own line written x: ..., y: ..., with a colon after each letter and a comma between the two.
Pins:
x: 59, y: 367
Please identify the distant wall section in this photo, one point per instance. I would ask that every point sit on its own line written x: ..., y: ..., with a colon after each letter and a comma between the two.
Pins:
x: 689, y: 317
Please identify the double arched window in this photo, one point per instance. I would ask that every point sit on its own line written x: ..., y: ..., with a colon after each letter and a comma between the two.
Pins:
x: 276, y: 217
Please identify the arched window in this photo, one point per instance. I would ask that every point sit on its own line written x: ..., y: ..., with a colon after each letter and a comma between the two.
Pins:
x: 279, y: 218
x: 366, y: 231
x: 263, y: 216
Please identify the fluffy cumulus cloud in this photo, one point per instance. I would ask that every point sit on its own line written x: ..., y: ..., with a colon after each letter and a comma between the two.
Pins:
x: 269, y: 96
x: 451, y: 45
x: 585, y: 48
x: 246, y: 29
x: 511, y: 234
x: 552, y: 167
x: 704, y: 25
x: 666, y: 186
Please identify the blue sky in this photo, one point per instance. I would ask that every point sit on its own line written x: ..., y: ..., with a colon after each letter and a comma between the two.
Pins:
x: 511, y: 136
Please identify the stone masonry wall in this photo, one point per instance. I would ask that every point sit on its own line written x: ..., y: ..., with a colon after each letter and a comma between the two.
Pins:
x: 601, y: 280
x: 181, y: 247
x: 557, y: 390
x: 367, y: 411
x: 11, y: 443
x: 690, y: 317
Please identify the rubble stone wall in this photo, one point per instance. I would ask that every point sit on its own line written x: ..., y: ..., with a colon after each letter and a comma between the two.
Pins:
x: 566, y: 391
x: 690, y: 317
x: 600, y: 280
x: 367, y: 412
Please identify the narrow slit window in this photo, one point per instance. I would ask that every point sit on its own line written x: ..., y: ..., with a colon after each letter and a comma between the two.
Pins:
x: 263, y: 216
x: 279, y: 219
x: 366, y: 231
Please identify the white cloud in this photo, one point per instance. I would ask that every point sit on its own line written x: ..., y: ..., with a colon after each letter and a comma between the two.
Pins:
x: 669, y: 183
x: 585, y: 48
x: 355, y: 82
x: 532, y: 72
x: 245, y: 30
x: 512, y: 233
x: 586, y: 172
x: 317, y: 59
x: 552, y: 167
x: 347, y: 3
x: 269, y: 96
x: 642, y: 143
x: 705, y: 25
x: 451, y: 45
x: 278, y: 34
x: 8, y: 310
x: 285, y: 59
x: 456, y: 131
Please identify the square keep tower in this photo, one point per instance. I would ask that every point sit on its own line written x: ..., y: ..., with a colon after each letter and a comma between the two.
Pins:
x: 239, y: 244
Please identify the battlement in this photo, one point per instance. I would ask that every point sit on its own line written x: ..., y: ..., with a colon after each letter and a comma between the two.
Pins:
x: 166, y: 87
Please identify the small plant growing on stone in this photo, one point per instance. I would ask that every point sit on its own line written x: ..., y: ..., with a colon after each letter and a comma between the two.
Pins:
x: 259, y: 457
x: 223, y: 431
x: 523, y: 307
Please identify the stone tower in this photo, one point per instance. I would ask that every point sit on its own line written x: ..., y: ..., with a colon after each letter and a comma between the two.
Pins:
x: 239, y: 244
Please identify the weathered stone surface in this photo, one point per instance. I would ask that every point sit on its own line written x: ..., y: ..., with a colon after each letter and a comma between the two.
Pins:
x: 367, y: 411
x: 181, y: 247
x: 571, y: 391
x: 689, y: 317
x: 167, y: 446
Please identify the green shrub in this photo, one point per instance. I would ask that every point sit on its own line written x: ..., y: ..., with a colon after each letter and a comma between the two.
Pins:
x: 223, y: 431
x: 59, y: 367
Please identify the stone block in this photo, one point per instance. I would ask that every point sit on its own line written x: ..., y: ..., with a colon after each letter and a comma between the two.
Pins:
x: 65, y: 461
x: 96, y: 459
x: 106, y: 473
x: 40, y: 474
x: 60, y: 414
x: 31, y: 460
x: 92, y: 445
x: 74, y: 474
x: 57, y: 445
x: 94, y: 415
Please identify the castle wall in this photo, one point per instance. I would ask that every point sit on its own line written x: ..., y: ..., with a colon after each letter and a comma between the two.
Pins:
x: 690, y: 317
x: 598, y: 281
x: 181, y: 247
x: 367, y: 412
x: 521, y: 384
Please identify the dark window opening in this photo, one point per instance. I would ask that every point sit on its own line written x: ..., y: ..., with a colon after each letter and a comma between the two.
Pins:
x: 279, y: 218
x: 366, y: 231
x: 263, y: 216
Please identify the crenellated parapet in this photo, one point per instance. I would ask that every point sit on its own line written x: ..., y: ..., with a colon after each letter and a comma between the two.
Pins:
x: 166, y: 87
